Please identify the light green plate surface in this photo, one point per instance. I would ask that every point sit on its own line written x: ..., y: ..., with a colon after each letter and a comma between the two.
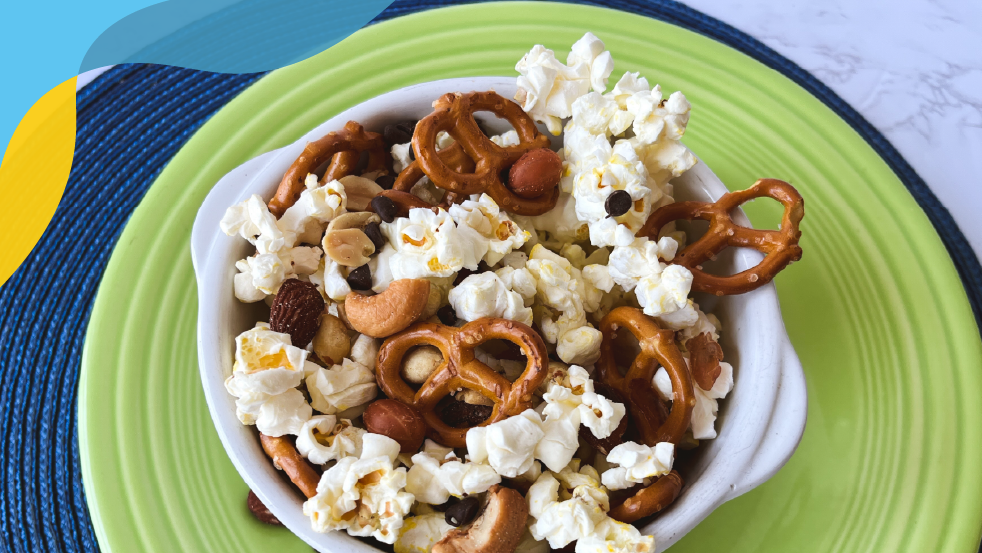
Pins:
x: 890, y: 459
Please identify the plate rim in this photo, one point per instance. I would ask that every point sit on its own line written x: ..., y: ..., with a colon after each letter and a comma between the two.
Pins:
x: 99, y: 304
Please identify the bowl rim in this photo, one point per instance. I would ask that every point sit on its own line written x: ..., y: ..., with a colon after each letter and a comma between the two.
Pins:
x: 769, y: 429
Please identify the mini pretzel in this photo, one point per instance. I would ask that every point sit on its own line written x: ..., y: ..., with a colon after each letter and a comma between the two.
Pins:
x: 779, y: 246
x: 454, y: 113
x: 452, y: 156
x: 657, y: 346
x: 344, y: 146
x: 460, y: 369
x: 651, y: 499
x: 286, y: 458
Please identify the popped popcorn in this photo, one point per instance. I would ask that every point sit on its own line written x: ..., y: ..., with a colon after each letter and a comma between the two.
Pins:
x: 363, y: 495
x: 324, y: 438
x: 488, y: 228
x: 266, y: 372
x: 437, y: 474
x: 429, y: 244
x: 486, y: 295
x: 341, y: 387
x: 637, y: 462
x: 547, y: 87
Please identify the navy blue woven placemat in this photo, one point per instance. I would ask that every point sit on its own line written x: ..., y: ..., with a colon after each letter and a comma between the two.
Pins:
x: 131, y: 122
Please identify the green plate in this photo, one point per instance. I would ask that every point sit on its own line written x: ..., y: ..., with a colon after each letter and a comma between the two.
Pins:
x: 890, y: 458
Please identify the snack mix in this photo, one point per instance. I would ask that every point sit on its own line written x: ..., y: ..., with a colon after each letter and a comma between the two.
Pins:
x: 478, y: 344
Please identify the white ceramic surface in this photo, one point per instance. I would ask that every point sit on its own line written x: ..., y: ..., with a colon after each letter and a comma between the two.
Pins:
x: 761, y: 421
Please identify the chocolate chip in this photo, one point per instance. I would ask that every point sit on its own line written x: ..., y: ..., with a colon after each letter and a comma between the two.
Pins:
x: 618, y: 203
x: 463, y: 512
x: 385, y: 208
x: 447, y: 315
x: 461, y: 275
x: 385, y: 181
x: 460, y: 414
x: 374, y: 233
x: 400, y: 133
x: 360, y: 278
x: 260, y: 511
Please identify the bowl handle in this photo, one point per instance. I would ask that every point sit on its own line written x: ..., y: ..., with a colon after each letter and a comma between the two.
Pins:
x: 205, y: 230
x: 785, y: 428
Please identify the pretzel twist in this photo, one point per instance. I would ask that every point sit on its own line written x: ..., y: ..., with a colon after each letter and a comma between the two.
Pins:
x: 657, y: 347
x: 454, y: 158
x: 286, y: 458
x: 651, y: 499
x: 779, y: 246
x: 344, y: 146
x: 454, y: 113
x: 460, y: 369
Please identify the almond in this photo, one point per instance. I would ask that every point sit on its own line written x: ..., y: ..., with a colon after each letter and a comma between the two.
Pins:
x: 535, y: 173
x: 398, y: 421
x: 296, y: 310
x: 260, y: 511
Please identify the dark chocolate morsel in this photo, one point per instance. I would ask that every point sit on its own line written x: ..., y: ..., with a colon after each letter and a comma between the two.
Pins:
x: 385, y: 208
x: 385, y: 181
x: 360, y: 278
x: 618, y: 203
x: 447, y: 315
x: 374, y: 233
x: 463, y: 512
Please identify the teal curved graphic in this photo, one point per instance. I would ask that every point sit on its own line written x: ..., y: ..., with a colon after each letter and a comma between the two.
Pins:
x: 46, y: 43
x: 230, y: 36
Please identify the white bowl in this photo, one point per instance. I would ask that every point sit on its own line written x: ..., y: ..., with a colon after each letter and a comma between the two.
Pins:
x: 760, y: 424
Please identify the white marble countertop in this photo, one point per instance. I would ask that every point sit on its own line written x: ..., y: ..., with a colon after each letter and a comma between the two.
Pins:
x: 912, y: 68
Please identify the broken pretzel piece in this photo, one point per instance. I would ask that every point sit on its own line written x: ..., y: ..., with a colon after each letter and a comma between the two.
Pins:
x: 286, y: 458
x: 660, y: 494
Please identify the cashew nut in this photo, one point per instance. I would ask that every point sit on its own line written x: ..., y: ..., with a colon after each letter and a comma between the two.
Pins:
x: 420, y: 363
x: 498, y: 530
x: 331, y: 343
x: 359, y: 191
x: 393, y: 310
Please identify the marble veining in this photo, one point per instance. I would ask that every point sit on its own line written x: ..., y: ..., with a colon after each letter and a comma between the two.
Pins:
x: 913, y: 68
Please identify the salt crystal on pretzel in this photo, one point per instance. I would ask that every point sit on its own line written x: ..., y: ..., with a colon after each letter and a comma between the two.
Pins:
x: 779, y: 246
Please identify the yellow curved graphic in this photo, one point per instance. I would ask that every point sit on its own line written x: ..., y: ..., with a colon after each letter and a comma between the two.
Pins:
x: 34, y: 172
